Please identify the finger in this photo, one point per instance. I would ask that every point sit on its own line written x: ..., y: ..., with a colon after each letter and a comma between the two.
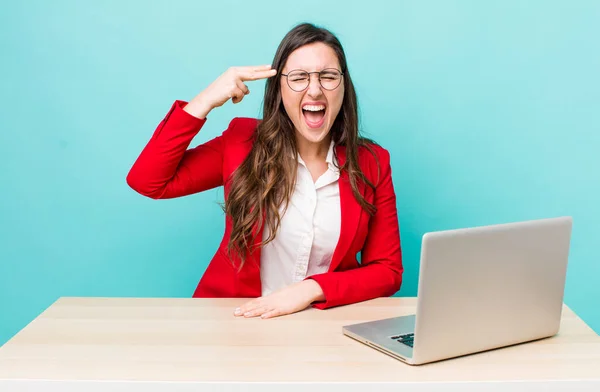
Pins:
x: 271, y: 314
x: 242, y: 87
x: 239, y: 311
x: 250, y: 305
x: 237, y: 95
x: 256, y: 75
x: 257, y: 311
x: 262, y: 67
x: 253, y: 68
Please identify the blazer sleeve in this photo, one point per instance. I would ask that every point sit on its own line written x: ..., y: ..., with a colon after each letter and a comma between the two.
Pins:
x: 380, y: 272
x: 166, y: 168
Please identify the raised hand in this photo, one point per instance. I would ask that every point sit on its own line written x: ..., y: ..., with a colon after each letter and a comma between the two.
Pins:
x: 229, y: 85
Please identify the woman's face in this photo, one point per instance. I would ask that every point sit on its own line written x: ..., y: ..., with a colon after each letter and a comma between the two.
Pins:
x: 314, y: 109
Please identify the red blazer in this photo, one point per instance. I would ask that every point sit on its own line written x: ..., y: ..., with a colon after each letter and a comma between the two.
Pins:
x: 166, y: 168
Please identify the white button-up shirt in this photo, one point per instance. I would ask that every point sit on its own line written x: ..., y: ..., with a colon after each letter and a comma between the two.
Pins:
x: 309, y: 231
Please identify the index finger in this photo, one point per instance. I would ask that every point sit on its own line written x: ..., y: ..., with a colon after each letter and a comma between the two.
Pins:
x: 258, y: 74
x: 252, y: 68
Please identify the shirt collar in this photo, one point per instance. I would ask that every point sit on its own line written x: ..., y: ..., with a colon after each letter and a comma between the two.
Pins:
x: 330, y: 159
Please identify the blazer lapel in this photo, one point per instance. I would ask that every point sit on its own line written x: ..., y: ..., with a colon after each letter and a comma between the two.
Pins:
x: 350, y: 212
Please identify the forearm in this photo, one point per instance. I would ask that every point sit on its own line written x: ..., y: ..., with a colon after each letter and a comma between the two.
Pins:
x: 314, y: 290
x: 198, y: 107
x: 359, y: 284
x: 159, y: 161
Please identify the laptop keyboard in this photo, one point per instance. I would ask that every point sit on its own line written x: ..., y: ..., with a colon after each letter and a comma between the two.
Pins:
x: 407, y: 338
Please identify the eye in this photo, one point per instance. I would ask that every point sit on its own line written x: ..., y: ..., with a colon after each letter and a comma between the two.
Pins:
x: 298, y: 76
x: 330, y: 75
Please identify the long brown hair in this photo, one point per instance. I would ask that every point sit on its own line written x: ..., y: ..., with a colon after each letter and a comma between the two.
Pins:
x: 266, y: 178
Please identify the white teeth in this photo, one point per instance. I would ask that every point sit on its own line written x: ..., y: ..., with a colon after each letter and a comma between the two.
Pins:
x: 314, y: 108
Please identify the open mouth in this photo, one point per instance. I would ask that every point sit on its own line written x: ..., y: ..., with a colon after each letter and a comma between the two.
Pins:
x: 314, y: 115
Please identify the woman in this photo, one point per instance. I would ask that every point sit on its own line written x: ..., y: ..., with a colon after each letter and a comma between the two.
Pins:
x: 303, y: 192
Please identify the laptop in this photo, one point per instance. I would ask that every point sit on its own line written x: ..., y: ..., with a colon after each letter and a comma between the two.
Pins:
x: 480, y: 289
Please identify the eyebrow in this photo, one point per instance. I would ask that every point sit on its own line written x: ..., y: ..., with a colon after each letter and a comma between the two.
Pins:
x: 304, y: 69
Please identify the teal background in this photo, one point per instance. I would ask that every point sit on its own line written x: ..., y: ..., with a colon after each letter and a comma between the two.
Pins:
x: 490, y: 111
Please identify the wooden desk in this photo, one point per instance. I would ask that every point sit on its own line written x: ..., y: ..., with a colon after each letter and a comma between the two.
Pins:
x: 135, y: 344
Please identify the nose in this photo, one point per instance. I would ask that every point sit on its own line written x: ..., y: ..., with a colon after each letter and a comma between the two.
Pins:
x: 314, y: 86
